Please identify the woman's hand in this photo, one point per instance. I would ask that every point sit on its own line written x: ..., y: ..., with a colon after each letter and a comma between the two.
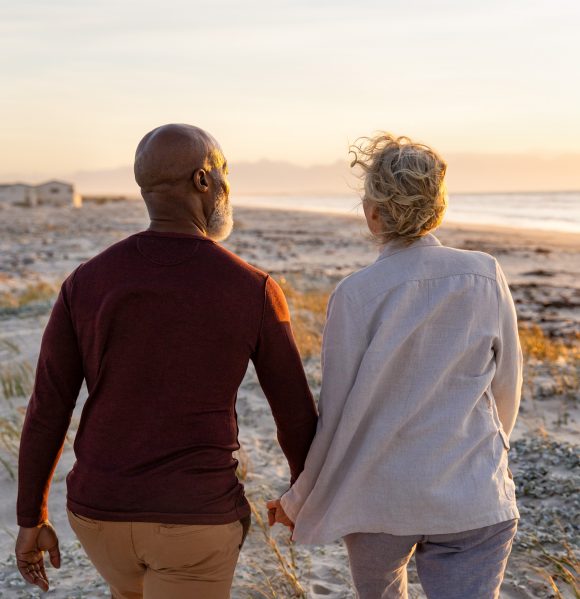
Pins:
x: 30, y: 547
x: 276, y: 513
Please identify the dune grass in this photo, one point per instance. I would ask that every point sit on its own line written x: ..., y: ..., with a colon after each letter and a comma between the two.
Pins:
x: 10, y: 429
x: 244, y: 463
x: 555, y: 360
x: 536, y: 344
x: 38, y: 291
x: 16, y: 380
x: 560, y: 572
x: 284, y: 582
x: 308, y: 312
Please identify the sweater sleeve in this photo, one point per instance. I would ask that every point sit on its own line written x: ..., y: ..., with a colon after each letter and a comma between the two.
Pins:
x: 343, y: 347
x: 506, y: 385
x: 281, y: 375
x: 59, y: 375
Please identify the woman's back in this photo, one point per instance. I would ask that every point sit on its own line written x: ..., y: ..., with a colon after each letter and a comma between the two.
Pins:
x: 411, y: 436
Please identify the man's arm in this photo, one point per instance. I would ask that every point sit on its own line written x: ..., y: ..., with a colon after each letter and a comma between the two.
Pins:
x: 281, y: 375
x: 506, y: 385
x: 59, y: 375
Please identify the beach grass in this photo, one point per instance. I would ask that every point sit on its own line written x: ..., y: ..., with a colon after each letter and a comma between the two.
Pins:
x: 560, y: 572
x: 284, y: 582
x: 551, y: 369
x: 308, y: 310
x: 16, y: 380
x: 37, y: 291
x: 536, y: 344
x: 244, y: 463
x: 10, y: 430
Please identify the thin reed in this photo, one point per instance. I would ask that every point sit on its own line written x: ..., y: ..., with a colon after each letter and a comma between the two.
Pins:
x: 287, y: 583
x: 16, y: 380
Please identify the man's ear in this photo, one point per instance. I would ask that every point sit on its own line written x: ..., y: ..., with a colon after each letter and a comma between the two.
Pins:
x: 200, y: 180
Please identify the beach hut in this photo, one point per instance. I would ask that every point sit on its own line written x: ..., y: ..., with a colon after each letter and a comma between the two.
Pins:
x: 52, y: 193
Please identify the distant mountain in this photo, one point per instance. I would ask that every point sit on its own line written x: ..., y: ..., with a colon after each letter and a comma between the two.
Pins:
x: 466, y: 173
x: 263, y: 177
x: 268, y: 177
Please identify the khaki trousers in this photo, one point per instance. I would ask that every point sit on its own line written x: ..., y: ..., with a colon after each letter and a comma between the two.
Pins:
x: 144, y: 560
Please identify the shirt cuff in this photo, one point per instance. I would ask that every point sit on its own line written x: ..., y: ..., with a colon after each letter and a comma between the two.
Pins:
x: 291, y: 504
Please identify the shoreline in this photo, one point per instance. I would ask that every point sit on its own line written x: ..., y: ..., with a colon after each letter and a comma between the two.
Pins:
x: 553, y: 237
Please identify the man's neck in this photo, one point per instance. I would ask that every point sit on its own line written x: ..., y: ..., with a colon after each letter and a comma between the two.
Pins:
x: 175, y: 226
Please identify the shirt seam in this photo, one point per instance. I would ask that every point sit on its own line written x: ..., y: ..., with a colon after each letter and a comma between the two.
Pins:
x: 352, y: 313
x: 499, y: 336
x: 68, y: 304
x: 257, y: 343
x: 428, y: 279
x: 418, y: 247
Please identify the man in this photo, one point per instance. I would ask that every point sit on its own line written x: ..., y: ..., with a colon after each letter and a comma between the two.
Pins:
x: 161, y: 326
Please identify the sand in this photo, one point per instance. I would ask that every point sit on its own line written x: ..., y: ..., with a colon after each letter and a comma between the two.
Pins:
x: 310, y: 252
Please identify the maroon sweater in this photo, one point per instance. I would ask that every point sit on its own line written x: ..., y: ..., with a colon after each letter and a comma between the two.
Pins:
x: 161, y: 326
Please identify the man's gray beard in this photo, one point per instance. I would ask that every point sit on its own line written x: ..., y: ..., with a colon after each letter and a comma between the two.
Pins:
x: 221, y: 222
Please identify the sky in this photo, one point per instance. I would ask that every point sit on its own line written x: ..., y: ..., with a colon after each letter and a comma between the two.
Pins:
x: 293, y: 80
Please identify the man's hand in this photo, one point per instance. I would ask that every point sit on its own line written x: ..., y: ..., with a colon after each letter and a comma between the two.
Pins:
x: 276, y: 513
x: 30, y: 547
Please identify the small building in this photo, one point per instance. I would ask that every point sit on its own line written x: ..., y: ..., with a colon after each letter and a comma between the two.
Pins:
x: 51, y: 193
x: 18, y: 193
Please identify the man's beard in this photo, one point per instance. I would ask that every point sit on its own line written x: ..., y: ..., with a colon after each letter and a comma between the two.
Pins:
x: 221, y: 222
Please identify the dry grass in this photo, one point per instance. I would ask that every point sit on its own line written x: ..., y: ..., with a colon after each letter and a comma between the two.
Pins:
x: 308, y: 309
x: 38, y: 291
x: 10, y: 428
x: 560, y: 572
x: 557, y: 359
x: 16, y: 380
x: 244, y: 464
x: 286, y: 583
x: 535, y: 344
x: 276, y: 566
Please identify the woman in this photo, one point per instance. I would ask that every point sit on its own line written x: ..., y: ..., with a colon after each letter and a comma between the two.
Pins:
x: 420, y: 391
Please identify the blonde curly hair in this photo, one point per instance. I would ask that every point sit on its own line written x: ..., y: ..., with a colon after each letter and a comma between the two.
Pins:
x: 405, y: 180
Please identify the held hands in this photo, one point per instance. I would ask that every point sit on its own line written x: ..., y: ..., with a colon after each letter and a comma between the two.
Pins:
x: 276, y: 513
x: 30, y: 547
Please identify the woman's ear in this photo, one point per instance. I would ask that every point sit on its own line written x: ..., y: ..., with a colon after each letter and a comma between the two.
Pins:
x: 200, y: 180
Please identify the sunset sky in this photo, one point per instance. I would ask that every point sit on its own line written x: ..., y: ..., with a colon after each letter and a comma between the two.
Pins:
x: 286, y: 80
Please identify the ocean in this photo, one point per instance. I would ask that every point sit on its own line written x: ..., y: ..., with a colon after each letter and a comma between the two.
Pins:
x: 557, y: 211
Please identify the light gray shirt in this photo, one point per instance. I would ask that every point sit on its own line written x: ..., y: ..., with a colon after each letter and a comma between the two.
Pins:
x: 421, y: 383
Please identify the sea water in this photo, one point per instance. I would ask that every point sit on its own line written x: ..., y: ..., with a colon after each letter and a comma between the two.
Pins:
x: 557, y: 211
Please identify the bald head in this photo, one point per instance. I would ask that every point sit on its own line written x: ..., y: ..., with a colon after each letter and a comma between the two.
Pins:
x: 167, y: 156
x: 182, y: 173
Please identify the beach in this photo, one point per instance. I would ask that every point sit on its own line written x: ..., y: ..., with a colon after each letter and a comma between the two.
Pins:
x: 308, y: 253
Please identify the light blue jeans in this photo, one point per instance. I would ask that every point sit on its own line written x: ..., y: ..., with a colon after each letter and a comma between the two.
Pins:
x: 463, y: 565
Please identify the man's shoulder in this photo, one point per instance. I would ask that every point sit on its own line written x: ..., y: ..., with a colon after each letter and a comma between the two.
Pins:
x: 235, y: 262
x: 108, y: 255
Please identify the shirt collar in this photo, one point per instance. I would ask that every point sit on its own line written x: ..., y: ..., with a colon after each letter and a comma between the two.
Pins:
x: 396, y: 245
